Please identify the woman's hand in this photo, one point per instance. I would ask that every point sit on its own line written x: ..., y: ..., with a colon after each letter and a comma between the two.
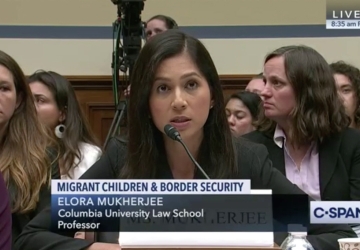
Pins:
x: 89, y: 236
x: 80, y: 235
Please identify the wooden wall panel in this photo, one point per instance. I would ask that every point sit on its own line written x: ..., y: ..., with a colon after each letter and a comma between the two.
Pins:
x: 100, y: 116
x: 96, y: 98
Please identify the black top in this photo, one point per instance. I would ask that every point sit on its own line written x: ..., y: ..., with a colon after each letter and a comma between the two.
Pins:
x: 5, y: 217
x: 339, y: 163
x: 19, y: 220
x: 253, y: 163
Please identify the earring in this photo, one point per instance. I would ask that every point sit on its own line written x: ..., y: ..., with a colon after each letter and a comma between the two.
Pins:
x: 59, y: 131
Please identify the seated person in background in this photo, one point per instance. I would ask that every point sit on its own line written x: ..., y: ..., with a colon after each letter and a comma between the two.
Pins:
x: 156, y: 25
x: 256, y: 85
x: 305, y: 128
x: 59, y: 109
x: 26, y: 162
x: 347, y: 78
x: 176, y: 82
x: 5, y: 217
x: 242, y: 111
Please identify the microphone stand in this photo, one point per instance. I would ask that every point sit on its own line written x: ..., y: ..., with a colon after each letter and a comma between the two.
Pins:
x: 120, y: 112
x: 128, y: 25
x: 115, y: 65
x: 129, y: 28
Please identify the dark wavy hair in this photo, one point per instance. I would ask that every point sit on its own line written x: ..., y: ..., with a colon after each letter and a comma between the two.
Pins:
x: 146, y: 145
x: 318, y: 112
x: 353, y: 74
x: 77, y: 127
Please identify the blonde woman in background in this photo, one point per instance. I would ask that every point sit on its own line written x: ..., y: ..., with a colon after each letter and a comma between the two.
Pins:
x: 26, y: 162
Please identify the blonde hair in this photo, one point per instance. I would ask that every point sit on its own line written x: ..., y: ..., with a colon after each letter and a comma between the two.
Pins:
x: 24, y: 158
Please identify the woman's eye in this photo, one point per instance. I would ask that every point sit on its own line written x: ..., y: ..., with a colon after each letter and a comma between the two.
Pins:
x: 162, y: 88
x: 192, y: 85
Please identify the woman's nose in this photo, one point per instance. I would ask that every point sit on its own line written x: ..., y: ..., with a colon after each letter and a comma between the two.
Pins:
x: 231, y: 120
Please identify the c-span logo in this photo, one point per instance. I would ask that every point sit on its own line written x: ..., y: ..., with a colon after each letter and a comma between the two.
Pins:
x: 334, y: 212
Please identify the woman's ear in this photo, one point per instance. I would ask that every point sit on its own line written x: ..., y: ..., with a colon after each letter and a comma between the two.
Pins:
x: 62, y: 116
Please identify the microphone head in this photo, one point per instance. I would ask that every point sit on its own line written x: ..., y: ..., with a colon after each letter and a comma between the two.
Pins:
x: 171, y: 132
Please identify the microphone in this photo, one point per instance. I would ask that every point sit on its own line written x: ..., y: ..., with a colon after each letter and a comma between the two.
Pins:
x: 171, y: 132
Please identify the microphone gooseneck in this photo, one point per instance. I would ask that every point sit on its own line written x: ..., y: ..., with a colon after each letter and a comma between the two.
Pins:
x: 172, y: 133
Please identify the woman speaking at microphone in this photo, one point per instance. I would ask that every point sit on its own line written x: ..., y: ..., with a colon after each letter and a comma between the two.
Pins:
x: 175, y: 82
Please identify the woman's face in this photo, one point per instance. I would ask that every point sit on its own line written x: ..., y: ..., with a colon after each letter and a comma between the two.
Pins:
x: 46, y: 106
x: 347, y: 94
x: 154, y: 27
x: 239, y: 117
x: 278, y: 94
x: 8, y: 97
x: 180, y: 96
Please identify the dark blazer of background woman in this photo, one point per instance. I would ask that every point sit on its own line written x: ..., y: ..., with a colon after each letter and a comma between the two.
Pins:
x: 253, y: 163
x: 339, y: 163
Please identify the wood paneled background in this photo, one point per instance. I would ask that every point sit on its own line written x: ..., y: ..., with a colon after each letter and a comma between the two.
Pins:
x: 96, y: 98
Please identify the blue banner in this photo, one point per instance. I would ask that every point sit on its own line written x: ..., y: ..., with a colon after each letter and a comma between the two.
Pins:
x: 178, y: 213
